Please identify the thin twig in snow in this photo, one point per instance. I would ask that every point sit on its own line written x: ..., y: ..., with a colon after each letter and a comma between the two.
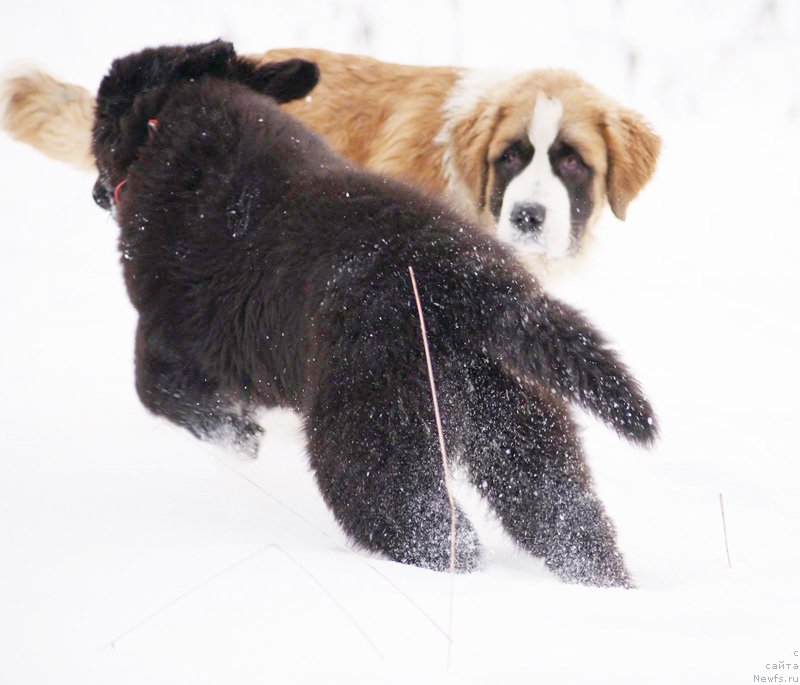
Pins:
x: 184, y: 595
x: 725, y: 530
x: 335, y: 601
x: 443, y: 450
x: 224, y: 461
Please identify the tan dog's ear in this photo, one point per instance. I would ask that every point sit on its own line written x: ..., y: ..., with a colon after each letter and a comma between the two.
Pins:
x: 633, y: 149
x: 469, y: 142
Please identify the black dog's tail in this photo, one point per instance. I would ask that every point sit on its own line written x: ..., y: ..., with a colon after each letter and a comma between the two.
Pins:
x: 534, y: 337
x: 563, y: 351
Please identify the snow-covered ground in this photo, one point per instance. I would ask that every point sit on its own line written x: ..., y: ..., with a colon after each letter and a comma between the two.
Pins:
x: 131, y: 553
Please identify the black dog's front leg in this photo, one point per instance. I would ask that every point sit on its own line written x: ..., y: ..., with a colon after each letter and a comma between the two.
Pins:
x: 170, y: 385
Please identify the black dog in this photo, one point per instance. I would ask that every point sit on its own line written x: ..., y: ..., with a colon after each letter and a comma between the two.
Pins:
x: 267, y: 271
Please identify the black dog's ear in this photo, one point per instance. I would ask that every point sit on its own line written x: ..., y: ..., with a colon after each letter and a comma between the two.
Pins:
x: 154, y: 68
x: 205, y: 58
x: 285, y: 81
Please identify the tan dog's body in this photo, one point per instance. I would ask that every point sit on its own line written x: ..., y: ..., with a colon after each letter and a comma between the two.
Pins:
x: 445, y: 130
x: 383, y: 116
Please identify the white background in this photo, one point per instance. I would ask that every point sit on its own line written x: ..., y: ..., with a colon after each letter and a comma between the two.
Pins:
x: 131, y: 553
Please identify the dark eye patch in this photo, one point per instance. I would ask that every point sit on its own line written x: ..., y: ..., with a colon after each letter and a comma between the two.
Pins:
x: 510, y: 163
x: 516, y: 156
x: 568, y: 165
x: 576, y: 176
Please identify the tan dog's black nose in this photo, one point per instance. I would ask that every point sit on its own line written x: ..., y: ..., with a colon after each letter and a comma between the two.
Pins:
x: 528, y: 217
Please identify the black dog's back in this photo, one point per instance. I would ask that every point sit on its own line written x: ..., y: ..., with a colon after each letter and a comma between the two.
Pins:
x: 267, y: 271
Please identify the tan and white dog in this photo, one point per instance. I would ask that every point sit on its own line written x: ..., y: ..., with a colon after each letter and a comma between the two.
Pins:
x: 532, y: 156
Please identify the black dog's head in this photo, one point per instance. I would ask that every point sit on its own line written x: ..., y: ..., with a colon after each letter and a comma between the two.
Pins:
x: 136, y: 87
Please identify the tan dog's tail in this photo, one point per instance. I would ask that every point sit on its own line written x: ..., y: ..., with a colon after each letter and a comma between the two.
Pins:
x: 56, y: 118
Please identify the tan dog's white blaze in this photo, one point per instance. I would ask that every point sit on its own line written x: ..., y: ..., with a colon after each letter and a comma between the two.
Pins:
x: 532, y: 157
x: 535, y: 211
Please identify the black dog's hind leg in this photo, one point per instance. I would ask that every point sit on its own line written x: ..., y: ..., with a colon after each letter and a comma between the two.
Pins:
x: 169, y: 385
x: 521, y: 452
x: 374, y: 450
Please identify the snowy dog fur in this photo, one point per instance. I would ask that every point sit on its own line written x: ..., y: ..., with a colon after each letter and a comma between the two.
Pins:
x: 267, y: 271
x: 464, y: 135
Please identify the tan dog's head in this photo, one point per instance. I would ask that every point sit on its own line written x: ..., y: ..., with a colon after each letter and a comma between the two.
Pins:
x: 541, y: 153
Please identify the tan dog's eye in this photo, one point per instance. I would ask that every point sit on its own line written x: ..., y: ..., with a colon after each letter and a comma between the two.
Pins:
x: 516, y: 156
x: 570, y: 166
x: 570, y: 163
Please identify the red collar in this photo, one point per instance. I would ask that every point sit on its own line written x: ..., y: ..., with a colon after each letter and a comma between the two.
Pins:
x: 117, y: 189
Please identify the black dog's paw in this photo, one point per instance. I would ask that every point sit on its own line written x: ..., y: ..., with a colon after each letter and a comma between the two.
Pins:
x: 429, y: 546
x: 243, y: 434
x: 596, y: 567
x: 235, y: 430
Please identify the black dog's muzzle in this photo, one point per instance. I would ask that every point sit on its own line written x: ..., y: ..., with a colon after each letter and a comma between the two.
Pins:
x: 102, y: 194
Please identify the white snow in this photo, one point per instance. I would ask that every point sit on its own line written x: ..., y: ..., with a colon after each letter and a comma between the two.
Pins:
x: 132, y: 553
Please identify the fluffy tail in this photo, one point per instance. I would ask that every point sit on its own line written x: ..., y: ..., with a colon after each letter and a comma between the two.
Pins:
x: 570, y: 356
x: 56, y: 118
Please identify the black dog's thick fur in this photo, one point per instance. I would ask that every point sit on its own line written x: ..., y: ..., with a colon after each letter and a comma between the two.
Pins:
x: 267, y: 271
